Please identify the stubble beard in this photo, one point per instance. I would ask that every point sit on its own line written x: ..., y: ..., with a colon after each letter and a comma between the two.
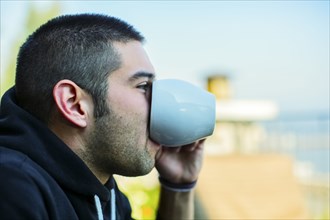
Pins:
x: 113, y: 146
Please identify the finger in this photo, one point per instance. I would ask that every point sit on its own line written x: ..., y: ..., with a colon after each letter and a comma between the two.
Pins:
x: 172, y: 149
x: 177, y: 149
x: 201, y: 143
x: 190, y: 147
x: 196, y: 145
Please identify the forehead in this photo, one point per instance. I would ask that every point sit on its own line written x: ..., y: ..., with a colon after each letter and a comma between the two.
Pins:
x: 134, y: 61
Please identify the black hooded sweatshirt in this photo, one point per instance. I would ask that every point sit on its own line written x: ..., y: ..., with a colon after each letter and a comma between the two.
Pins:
x: 42, y: 178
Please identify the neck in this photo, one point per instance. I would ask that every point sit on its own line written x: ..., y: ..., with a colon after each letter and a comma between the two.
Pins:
x: 74, y: 140
x: 103, y: 177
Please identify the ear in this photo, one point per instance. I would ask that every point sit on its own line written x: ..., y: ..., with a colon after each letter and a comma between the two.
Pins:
x: 72, y: 102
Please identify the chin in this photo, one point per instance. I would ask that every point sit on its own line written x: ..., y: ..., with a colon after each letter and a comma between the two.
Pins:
x: 145, y: 169
x: 136, y: 173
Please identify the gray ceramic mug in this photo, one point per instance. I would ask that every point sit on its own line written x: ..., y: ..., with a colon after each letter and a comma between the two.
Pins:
x: 181, y: 113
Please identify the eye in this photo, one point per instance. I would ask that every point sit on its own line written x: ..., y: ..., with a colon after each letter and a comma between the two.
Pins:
x: 145, y: 86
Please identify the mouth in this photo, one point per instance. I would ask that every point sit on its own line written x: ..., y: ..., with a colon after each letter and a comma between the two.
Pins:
x: 154, y: 143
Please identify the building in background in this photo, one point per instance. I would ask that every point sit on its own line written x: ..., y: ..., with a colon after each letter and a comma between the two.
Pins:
x: 237, y: 129
x: 255, y: 129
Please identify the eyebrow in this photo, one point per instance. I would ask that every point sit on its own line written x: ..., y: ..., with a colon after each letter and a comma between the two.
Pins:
x: 142, y: 74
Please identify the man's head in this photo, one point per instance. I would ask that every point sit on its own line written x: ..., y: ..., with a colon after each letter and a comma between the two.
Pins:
x: 75, y: 47
x: 91, y: 75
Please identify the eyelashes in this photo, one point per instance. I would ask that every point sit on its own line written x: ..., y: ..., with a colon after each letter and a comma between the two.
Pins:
x: 145, y: 86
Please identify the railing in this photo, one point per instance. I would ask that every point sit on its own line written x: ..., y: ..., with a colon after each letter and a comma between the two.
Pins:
x: 306, y: 139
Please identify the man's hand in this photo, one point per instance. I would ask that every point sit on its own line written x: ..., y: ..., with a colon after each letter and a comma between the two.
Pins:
x: 180, y: 164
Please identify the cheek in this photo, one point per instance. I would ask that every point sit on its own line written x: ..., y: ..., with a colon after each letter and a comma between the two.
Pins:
x: 130, y: 104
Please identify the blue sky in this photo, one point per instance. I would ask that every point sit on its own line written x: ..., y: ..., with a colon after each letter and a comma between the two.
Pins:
x: 273, y: 50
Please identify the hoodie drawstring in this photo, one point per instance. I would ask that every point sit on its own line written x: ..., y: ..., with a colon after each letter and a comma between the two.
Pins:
x: 113, y: 205
x: 112, y: 208
x: 98, y: 207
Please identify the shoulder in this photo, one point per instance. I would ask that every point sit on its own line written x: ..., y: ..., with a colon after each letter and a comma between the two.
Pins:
x: 18, y: 170
x: 20, y: 195
x: 27, y: 190
x: 17, y: 163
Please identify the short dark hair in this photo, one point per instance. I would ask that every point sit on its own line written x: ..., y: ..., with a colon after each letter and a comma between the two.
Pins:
x: 75, y: 47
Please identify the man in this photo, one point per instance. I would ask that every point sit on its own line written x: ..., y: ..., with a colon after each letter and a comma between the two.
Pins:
x: 78, y: 114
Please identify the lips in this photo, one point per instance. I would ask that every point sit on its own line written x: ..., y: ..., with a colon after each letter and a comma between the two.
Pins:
x: 154, y: 143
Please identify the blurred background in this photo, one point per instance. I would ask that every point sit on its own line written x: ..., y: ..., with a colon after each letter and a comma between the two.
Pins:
x: 267, y: 62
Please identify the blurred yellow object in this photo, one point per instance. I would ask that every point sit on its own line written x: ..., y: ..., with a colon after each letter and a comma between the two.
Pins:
x: 250, y: 187
x: 142, y: 193
x: 219, y: 86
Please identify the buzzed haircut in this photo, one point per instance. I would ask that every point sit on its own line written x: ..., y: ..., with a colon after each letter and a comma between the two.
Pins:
x: 75, y: 47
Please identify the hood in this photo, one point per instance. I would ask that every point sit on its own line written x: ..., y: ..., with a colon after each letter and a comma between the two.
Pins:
x: 23, y: 132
